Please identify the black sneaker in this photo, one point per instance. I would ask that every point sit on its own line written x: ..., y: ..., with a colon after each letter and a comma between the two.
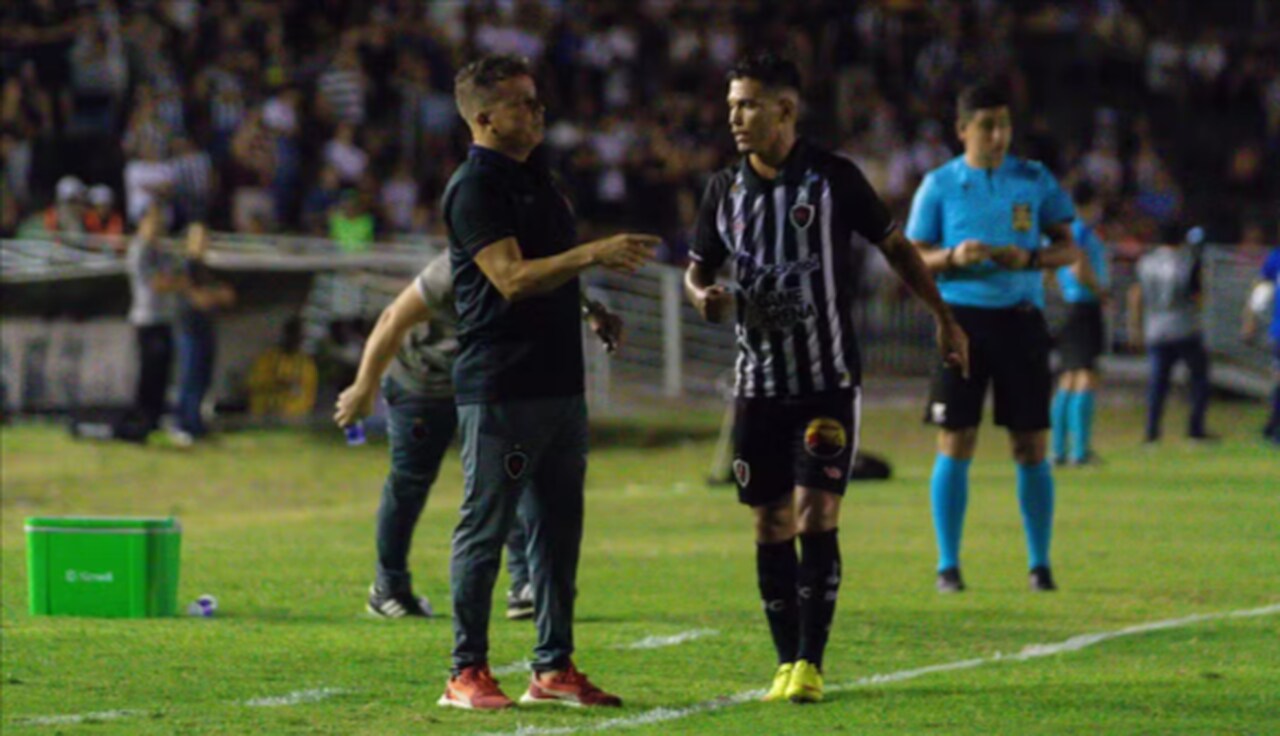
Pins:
x: 949, y: 581
x: 1041, y: 579
x: 399, y: 605
x: 520, y: 603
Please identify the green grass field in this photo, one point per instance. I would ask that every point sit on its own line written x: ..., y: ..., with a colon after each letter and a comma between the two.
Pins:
x: 278, y: 525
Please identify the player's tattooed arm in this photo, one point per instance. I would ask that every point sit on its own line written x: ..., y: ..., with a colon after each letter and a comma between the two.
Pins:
x: 910, y: 266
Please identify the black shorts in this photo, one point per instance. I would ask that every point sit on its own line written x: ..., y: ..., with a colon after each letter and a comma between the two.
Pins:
x: 781, y: 443
x: 1008, y: 348
x: 1080, y: 341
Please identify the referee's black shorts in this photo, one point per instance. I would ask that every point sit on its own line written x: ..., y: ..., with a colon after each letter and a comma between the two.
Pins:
x: 1009, y: 349
x: 781, y: 443
x: 1080, y: 341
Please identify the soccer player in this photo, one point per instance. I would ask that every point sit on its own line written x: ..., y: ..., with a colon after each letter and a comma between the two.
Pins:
x: 789, y: 218
x: 414, y: 344
x: 1084, y: 286
x: 1270, y: 273
x: 1164, y: 315
x: 519, y: 380
x: 979, y: 221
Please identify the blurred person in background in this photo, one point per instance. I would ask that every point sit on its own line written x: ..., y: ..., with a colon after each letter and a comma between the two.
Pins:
x: 1082, y: 340
x: 66, y: 214
x: 102, y: 218
x: 283, y: 380
x: 988, y: 224
x: 1164, y: 317
x: 352, y: 224
x: 156, y: 281
x: 1259, y: 312
x: 411, y: 352
x: 197, y: 337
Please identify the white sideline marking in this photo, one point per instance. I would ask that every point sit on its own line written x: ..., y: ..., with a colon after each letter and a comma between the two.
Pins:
x: 514, y: 668
x: 1032, y: 651
x: 295, y: 698
x: 105, y: 715
x: 657, y: 642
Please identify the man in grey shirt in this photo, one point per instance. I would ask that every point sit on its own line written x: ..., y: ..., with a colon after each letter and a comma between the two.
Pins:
x: 1164, y: 313
x: 415, y: 343
x: 155, y: 281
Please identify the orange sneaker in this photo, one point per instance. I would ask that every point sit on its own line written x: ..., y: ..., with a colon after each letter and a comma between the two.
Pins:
x: 568, y: 687
x: 474, y: 689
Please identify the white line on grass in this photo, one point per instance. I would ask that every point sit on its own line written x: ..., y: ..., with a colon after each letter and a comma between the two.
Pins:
x: 514, y: 668
x: 67, y: 720
x: 658, y: 642
x: 296, y: 697
x: 1032, y: 651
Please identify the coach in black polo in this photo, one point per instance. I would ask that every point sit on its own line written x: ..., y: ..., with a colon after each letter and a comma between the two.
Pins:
x: 519, y: 380
x: 788, y: 218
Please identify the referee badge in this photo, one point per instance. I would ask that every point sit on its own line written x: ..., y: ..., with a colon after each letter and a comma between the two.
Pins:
x: 1022, y: 217
x: 802, y: 215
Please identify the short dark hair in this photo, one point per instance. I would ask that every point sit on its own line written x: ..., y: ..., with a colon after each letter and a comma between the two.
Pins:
x: 769, y: 69
x: 1083, y: 193
x: 981, y: 96
x: 476, y: 80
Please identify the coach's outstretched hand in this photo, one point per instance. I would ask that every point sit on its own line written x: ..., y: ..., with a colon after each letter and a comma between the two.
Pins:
x: 354, y: 403
x: 626, y: 252
x: 607, y: 326
x: 954, y: 345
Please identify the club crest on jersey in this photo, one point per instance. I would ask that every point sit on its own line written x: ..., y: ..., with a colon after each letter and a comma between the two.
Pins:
x: 515, y: 463
x: 802, y: 215
x: 1022, y: 217
x: 742, y: 472
x: 825, y: 438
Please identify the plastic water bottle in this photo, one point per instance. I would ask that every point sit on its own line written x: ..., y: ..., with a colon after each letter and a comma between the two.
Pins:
x: 204, y: 606
x: 354, y: 433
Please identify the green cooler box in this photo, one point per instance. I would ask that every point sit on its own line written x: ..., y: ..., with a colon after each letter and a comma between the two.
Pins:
x: 103, y: 566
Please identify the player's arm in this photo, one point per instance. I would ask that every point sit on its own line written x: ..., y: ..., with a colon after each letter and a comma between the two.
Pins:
x: 517, y: 277
x: 706, y: 254
x: 907, y: 261
x: 710, y: 299
x: 408, y: 309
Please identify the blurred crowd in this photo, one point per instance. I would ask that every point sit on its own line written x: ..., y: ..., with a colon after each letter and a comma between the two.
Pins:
x: 336, y: 118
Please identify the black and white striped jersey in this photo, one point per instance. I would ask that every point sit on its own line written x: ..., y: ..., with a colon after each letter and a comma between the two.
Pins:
x: 791, y: 243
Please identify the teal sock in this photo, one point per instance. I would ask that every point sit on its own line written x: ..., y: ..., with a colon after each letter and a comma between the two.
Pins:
x: 1080, y: 412
x: 1035, y: 495
x: 949, y: 490
x: 1058, y: 417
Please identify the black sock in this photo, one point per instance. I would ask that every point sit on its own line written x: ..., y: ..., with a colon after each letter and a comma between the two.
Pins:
x: 818, y: 586
x: 776, y: 571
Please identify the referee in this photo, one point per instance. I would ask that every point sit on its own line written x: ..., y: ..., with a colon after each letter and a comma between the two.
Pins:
x: 1081, y: 341
x: 980, y: 221
x: 789, y: 218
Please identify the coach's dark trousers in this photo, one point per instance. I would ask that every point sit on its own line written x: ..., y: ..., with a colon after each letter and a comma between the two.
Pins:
x: 1163, y: 358
x: 155, y: 361
x: 538, y: 446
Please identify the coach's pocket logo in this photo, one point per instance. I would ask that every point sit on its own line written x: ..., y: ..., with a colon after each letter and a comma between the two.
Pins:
x: 515, y: 463
x: 742, y: 472
x: 802, y: 216
x: 825, y: 437
x: 1022, y: 217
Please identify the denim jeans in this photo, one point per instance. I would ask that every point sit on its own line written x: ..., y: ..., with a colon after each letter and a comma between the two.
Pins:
x: 1163, y: 358
x: 197, y: 343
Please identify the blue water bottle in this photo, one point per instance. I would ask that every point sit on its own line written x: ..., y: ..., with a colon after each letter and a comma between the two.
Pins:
x: 354, y: 433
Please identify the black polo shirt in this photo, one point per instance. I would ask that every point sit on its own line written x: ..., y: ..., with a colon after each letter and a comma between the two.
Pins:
x: 511, y: 350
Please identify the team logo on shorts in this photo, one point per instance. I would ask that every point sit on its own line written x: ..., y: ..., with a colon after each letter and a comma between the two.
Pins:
x: 938, y: 412
x: 1022, y: 217
x: 742, y: 472
x: 515, y: 463
x: 802, y: 215
x: 833, y: 472
x: 825, y: 437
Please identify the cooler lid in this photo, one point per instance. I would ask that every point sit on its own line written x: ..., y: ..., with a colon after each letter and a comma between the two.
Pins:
x: 104, y: 523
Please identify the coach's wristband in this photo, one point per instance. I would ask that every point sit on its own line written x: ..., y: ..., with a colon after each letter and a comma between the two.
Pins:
x: 1033, y: 261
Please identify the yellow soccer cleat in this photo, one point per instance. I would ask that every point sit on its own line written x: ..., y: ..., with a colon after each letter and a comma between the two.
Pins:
x: 805, y: 685
x: 781, y: 679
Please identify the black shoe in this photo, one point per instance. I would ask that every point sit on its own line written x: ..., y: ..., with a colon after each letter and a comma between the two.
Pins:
x: 1041, y: 579
x: 949, y: 581
x: 397, y: 605
x: 520, y: 603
